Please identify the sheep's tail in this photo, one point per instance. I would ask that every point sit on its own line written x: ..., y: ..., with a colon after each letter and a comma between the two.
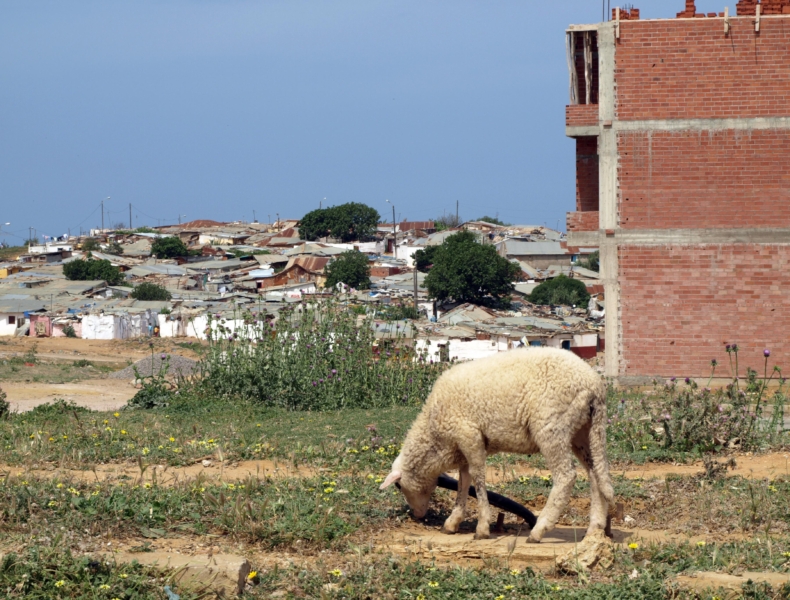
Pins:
x: 598, y: 443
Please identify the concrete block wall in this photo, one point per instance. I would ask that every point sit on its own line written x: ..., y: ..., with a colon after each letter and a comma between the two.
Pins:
x: 704, y: 179
x: 681, y: 304
x: 691, y: 69
x: 693, y: 148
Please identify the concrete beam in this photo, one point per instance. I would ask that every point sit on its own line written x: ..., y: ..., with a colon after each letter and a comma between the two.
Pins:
x: 582, y: 131
x: 662, y: 237
x: 703, y: 124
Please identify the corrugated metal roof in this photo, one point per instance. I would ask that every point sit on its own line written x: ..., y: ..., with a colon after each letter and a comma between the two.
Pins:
x: 311, y: 264
x: 20, y: 306
x: 521, y: 248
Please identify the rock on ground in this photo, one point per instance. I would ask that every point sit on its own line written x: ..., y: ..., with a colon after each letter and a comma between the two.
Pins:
x: 177, y: 366
x: 595, y: 550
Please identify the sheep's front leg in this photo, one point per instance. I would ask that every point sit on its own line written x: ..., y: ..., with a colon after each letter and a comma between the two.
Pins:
x: 456, y: 517
x: 478, y: 473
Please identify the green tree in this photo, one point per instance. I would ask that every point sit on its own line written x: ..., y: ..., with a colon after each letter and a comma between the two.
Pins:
x: 351, y: 268
x: 92, y: 270
x: 91, y: 245
x: 493, y: 220
x: 169, y: 247
x: 423, y: 259
x: 348, y: 222
x: 114, y: 248
x: 150, y: 291
x: 467, y: 271
x: 592, y: 262
x: 561, y: 290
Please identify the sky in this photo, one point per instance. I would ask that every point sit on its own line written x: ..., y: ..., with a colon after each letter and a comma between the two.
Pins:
x: 240, y: 110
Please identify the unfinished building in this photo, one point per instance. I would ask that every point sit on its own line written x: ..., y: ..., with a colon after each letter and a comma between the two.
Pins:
x: 682, y: 130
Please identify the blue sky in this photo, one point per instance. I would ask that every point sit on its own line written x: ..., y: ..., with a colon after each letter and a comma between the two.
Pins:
x: 213, y: 109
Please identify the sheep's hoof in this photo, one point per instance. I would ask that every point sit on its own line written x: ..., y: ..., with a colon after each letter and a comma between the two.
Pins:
x: 448, y: 531
x: 482, y: 536
x: 532, y: 540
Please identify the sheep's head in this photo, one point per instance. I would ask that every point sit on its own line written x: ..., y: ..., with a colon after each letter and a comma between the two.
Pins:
x: 417, y: 492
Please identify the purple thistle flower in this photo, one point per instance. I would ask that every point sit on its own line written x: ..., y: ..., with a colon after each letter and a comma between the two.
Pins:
x: 320, y: 381
x: 688, y: 380
x: 162, y: 356
x: 728, y: 348
x: 334, y: 371
x: 766, y: 353
x: 314, y: 383
x: 714, y: 362
x: 673, y: 379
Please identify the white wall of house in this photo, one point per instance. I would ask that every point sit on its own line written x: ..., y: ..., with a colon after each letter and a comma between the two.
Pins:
x: 6, y: 327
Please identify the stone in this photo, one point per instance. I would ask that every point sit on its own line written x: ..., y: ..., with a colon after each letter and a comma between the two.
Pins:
x: 223, y: 573
x: 731, y: 584
x: 595, y: 550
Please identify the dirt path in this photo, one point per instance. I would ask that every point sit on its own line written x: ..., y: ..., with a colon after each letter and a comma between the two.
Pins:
x: 66, y: 349
x: 96, y: 394
x: 763, y: 466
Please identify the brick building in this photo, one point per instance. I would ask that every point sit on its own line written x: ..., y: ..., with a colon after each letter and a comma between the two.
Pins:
x: 682, y: 130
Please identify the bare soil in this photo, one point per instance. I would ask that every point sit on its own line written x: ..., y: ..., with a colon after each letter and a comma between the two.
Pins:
x: 96, y: 394
x: 114, y: 351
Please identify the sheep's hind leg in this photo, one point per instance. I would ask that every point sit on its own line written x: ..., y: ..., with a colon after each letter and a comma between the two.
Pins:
x: 559, y: 460
x: 598, y: 503
x: 456, y: 517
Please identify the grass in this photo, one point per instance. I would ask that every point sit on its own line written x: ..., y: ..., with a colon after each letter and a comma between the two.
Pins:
x: 16, y: 369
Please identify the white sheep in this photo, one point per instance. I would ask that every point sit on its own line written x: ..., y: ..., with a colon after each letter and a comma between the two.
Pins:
x: 524, y: 401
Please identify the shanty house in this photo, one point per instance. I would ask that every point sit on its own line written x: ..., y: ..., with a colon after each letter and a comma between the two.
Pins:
x: 13, y: 313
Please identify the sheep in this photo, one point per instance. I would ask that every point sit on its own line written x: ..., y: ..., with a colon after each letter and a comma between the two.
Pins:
x: 524, y: 401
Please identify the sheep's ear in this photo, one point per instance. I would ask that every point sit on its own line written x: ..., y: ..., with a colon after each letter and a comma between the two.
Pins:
x: 391, y: 478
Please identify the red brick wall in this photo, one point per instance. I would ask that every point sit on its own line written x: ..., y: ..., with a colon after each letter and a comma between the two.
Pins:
x: 577, y: 115
x: 705, y: 179
x: 582, y: 221
x: 689, y: 69
x: 681, y: 304
x: 587, y: 189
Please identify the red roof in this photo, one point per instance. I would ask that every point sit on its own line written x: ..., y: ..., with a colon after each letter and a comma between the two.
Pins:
x: 200, y: 223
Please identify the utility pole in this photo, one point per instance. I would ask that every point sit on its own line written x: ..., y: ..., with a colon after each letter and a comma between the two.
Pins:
x: 29, y: 237
x: 457, y: 221
x: 130, y: 216
x: 278, y: 221
x: 254, y: 220
x: 102, y: 215
x: 416, y: 310
x: 394, y: 233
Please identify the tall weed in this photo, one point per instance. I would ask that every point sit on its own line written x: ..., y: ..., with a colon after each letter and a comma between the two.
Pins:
x: 316, y: 357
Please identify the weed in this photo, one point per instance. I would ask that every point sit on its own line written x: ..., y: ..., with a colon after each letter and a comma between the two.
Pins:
x: 82, y: 363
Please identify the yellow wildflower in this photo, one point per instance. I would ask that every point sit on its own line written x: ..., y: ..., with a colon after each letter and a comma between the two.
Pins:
x: 515, y: 572
x: 172, y: 439
x: 116, y: 415
x: 633, y: 545
x: 60, y: 583
x: 336, y: 572
x: 104, y: 586
x: 508, y: 588
x: 433, y: 584
x: 60, y: 485
x: 146, y: 450
x: 700, y: 543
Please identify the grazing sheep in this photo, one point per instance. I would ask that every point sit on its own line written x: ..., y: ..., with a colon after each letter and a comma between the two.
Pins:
x: 525, y: 401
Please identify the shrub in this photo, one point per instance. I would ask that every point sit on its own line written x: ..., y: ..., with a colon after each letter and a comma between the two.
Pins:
x: 90, y: 245
x: 69, y: 331
x: 467, y: 271
x: 169, y: 247
x: 561, y: 290
x: 150, y: 291
x: 316, y: 359
x: 92, y: 270
x: 351, y: 268
x: 5, y: 407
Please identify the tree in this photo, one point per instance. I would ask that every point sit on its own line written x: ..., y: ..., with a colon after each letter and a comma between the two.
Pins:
x: 423, y: 259
x: 114, y: 248
x: 91, y: 245
x: 493, y: 221
x: 150, y: 291
x: 592, y: 262
x: 561, y: 290
x: 447, y: 222
x: 169, y: 247
x: 351, y: 268
x: 467, y: 271
x: 92, y: 270
x: 348, y: 222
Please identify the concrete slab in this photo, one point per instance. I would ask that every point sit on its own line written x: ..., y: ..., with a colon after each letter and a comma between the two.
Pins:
x: 731, y: 584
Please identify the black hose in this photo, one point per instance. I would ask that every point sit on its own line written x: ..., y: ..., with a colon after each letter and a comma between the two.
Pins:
x: 494, y: 499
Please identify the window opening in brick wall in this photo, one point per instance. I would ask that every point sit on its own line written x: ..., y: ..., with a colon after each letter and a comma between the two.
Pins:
x: 11, y: 320
x: 587, y: 188
x: 582, y: 49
